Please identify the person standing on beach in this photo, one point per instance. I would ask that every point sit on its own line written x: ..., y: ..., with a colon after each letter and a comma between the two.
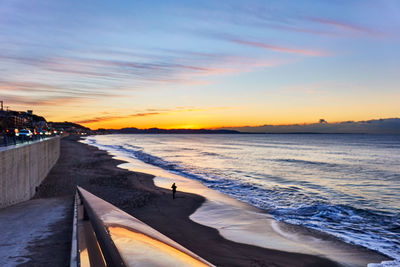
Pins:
x: 173, y: 190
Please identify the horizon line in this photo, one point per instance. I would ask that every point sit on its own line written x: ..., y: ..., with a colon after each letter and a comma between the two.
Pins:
x: 321, y: 121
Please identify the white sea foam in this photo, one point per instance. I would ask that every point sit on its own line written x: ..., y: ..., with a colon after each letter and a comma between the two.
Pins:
x: 339, y: 184
x: 394, y: 263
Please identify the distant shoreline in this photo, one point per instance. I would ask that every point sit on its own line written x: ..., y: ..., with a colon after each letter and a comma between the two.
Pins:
x: 363, y: 255
x: 245, y: 133
x: 390, y: 126
x: 136, y: 193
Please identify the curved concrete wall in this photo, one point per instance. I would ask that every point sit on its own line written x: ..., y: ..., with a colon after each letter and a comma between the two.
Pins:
x: 23, y: 168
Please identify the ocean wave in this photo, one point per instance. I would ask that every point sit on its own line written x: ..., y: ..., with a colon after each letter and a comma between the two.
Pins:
x: 356, y: 226
x: 394, y: 263
x: 159, y: 162
x: 293, y: 201
x: 307, y: 162
x: 205, y: 153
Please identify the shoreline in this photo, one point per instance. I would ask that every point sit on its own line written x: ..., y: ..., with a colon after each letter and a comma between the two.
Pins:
x: 137, y: 194
x: 245, y: 224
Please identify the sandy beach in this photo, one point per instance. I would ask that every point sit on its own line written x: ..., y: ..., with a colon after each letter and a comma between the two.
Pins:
x: 277, y: 121
x: 135, y: 193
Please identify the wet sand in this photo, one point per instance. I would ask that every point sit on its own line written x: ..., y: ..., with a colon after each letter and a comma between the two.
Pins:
x: 135, y: 193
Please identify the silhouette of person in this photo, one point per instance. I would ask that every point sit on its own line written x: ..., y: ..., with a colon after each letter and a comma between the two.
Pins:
x: 173, y: 190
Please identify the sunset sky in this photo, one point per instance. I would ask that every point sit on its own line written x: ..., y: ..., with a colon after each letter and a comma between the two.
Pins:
x: 200, y: 64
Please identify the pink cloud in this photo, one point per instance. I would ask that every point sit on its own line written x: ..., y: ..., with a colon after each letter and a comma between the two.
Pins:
x: 149, y: 112
x: 32, y: 89
x: 48, y: 101
x: 305, y: 52
x: 343, y: 26
x: 108, y: 118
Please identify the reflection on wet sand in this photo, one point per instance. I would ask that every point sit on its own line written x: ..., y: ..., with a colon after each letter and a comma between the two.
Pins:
x: 144, y: 250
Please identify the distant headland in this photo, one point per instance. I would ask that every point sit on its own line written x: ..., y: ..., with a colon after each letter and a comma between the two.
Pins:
x: 378, y: 126
x: 166, y: 131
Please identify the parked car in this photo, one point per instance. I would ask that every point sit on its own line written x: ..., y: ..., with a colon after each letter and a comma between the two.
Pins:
x: 24, y: 133
x: 40, y: 132
x: 11, y: 132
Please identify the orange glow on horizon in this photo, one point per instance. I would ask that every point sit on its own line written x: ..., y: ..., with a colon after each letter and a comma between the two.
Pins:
x: 212, y: 117
x: 199, y: 125
x: 192, y: 119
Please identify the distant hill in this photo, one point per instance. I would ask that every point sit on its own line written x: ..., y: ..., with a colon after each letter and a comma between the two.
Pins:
x: 172, y: 131
x: 379, y: 126
x: 68, y: 125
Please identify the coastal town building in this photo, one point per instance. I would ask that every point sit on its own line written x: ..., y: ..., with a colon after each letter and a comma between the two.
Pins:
x: 10, y: 119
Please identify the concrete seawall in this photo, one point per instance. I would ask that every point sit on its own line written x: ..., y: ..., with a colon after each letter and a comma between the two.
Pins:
x: 23, y: 168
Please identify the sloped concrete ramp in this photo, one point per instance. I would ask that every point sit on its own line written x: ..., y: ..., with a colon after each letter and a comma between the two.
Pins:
x: 26, y: 225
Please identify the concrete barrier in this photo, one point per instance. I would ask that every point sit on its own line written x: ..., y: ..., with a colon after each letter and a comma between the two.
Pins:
x: 108, y: 236
x: 23, y: 168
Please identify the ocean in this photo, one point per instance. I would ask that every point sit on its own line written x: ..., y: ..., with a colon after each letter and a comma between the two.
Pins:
x: 344, y: 185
